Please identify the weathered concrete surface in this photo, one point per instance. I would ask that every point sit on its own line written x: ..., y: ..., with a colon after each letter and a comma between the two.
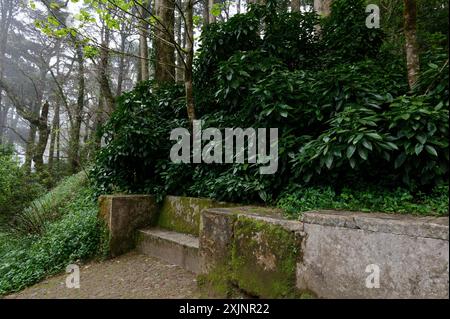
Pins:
x: 175, y: 248
x: 254, y: 248
x: 264, y: 257
x: 123, y: 216
x: 182, y: 214
x: 428, y: 227
x: 216, y: 238
x: 411, y: 254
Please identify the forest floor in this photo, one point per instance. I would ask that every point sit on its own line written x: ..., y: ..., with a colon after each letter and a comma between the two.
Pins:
x: 131, y: 276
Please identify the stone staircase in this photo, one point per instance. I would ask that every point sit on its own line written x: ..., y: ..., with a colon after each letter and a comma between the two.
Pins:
x: 175, y: 248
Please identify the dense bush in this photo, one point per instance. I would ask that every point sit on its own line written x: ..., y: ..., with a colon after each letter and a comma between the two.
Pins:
x: 75, y: 236
x: 341, y: 103
x: 138, y: 139
x: 17, y: 189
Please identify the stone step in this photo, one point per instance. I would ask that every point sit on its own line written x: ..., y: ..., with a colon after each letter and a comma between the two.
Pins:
x: 175, y: 248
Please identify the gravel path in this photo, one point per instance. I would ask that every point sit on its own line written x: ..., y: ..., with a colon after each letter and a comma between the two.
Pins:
x: 129, y: 276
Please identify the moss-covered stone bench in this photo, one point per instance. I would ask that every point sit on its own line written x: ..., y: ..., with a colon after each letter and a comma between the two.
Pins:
x: 326, y: 254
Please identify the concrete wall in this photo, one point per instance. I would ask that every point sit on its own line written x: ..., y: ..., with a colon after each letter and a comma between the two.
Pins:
x: 326, y: 254
x: 336, y: 254
x: 182, y: 214
x: 341, y: 250
x: 123, y: 216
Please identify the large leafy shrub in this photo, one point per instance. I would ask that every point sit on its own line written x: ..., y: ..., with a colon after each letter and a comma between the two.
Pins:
x: 137, y: 137
x: 345, y: 35
x: 341, y: 103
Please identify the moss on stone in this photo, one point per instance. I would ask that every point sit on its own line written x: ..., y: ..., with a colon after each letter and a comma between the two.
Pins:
x: 264, y: 259
x: 217, y: 283
x: 182, y: 214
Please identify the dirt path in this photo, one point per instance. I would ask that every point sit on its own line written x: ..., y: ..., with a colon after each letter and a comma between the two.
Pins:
x: 128, y: 276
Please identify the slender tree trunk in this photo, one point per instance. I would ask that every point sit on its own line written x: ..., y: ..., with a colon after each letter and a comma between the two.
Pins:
x: 164, y: 49
x: 206, y: 12
x: 74, y: 134
x: 29, y: 149
x: 13, y: 126
x: 295, y: 5
x: 322, y: 7
x: 6, y: 17
x: 120, y: 76
x: 54, y: 132
x: 143, y: 42
x: 58, y: 144
x: 44, y: 132
x: 103, y: 73
x: 179, y: 58
x: 98, y: 120
x: 211, y: 4
x: 4, y: 109
x: 238, y: 7
x: 188, y: 78
x: 412, y: 54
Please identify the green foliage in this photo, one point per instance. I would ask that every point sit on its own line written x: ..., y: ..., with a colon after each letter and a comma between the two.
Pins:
x: 47, y: 208
x: 17, y: 189
x: 345, y: 35
x: 138, y: 139
x: 407, y: 140
x: 75, y: 237
x: 341, y: 103
x: 296, y: 200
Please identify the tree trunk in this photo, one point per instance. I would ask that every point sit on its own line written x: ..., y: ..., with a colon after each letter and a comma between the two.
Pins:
x: 44, y: 132
x: 211, y: 4
x: 164, y: 48
x: 103, y: 73
x: 412, y: 54
x: 322, y: 7
x: 179, y: 58
x: 120, y: 76
x: 54, y: 133
x: 143, y: 42
x: 99, y: 119
x: 238, y: 7
x: 4, y: 109
x: 6, y: 17
x: 74, y: 134
x: 188, y: 78
x: 58, y: 144
x: 206, y: 12
x: 29, y: 148
x: 295, y: 5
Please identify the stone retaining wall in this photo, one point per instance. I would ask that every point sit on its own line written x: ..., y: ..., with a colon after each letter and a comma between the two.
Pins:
x: 123, y: 216
x: 327, y: 254
x: 182, y: 214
